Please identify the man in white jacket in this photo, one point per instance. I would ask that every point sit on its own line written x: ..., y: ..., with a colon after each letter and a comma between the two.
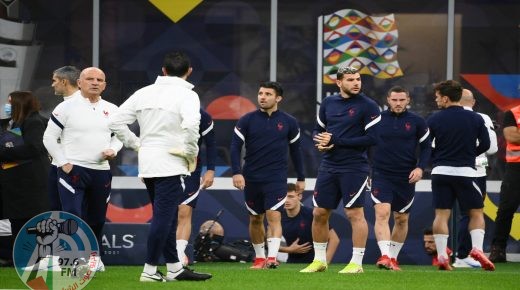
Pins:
x: 81, y: 155
x: 65, y: 84
x: 463, y: 260
x: 168, y: 116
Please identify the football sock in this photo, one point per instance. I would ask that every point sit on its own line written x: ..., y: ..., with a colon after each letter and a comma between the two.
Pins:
x: 150, y: 269
x: 259, y: 250
x: 395, y: 248
x: 477, y: 238
x: 173, y: 267
x: 320, y: 252
x: 357, y: 255
x: 273, y: 245
x: 441, y: 241
x: 384, y: 247
x: 181, y: 248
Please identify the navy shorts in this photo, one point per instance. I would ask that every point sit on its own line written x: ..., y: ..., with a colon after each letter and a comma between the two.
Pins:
x: 191, y: 189
x: 446, y: 189
x: 85, y: 192
x: 395, y: 190
x: 481, y: 182
x: 260, y: 197
x: 331, y: 187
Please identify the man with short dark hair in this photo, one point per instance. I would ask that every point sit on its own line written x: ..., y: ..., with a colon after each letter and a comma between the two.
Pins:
x: 267, y: 133
x: 345, y: 129
x: 456, y: 133
x: 168, y: 116
x: 430, y: 248
x: 398, y: 162
x: 65, y: 84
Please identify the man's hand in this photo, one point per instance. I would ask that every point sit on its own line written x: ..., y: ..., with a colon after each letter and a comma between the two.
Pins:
x: 300, y: 186
x: 191, y: 160
x: 322, y: 138
x: 207, y: 179
x: 324, y: 148
x: 67, y: 167
x: 415, y: 175
x: 108, y: 154
x: 322, y: 141
x: 239, y: 181
x: 296, y: 248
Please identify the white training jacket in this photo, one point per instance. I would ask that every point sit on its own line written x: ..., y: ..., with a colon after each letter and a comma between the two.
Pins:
x: 82, y: 128
x: 481, y: 162
x: 76, y: 93
x: 168, y: 116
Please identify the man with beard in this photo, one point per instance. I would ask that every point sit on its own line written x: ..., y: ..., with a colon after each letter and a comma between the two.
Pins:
x: 398, y: 164
x: 266, y: 133
x: 430, y: 248
x: 346, y: 128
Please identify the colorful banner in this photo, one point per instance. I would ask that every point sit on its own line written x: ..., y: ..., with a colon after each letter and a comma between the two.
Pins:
x: 352, y: 38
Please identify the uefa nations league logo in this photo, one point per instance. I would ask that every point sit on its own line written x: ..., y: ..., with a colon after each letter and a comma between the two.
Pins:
x: 56, y: 250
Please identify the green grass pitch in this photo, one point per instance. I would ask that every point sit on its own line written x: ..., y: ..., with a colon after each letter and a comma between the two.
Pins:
x: 238, y: 276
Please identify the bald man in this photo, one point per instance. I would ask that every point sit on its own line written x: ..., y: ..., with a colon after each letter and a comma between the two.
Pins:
x: 463, y: 260
x: 81, y: 123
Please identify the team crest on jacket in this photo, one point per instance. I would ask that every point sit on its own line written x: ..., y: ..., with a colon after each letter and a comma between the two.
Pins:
x: 74, y: 178
x: 105, y: 113
x: 302, y: 225
x: 279, y: 126
x: 407, y: 126
x: 351, y: 112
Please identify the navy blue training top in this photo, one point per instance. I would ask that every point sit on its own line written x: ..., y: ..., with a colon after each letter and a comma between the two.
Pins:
x: 454, y: 132
x: 207, y: 134
x: 399, y: 137
x: 266, y: 139
x: 352, y: 123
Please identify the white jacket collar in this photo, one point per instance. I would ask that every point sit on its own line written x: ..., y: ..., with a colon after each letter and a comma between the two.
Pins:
x: 173, y: 80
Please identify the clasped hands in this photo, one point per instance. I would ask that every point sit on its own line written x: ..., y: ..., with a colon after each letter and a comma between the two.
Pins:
x: 322, y: 141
